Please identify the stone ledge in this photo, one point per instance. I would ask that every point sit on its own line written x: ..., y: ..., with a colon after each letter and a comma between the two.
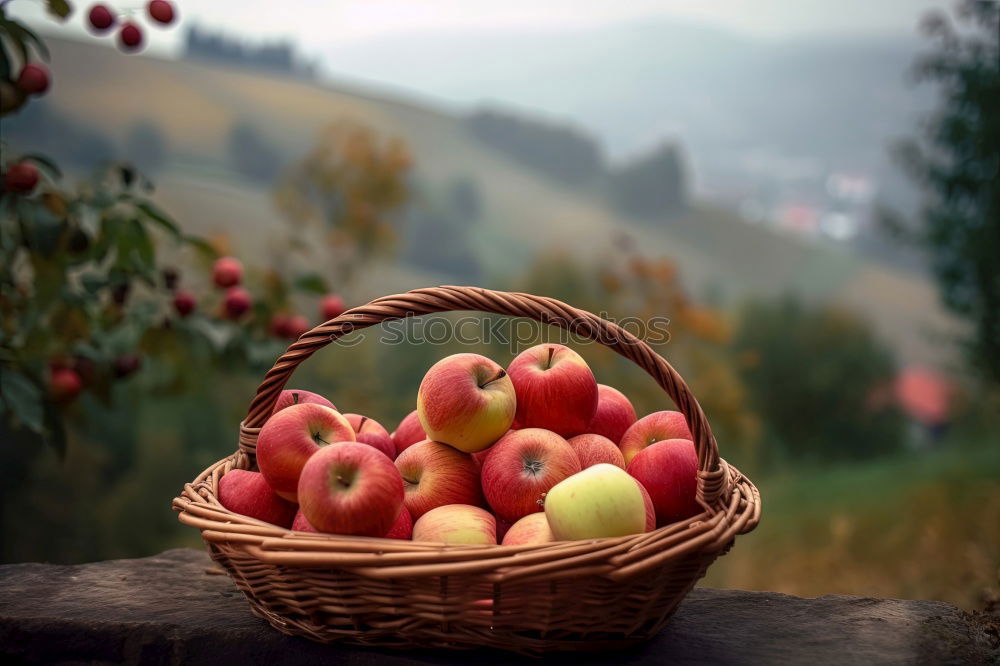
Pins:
x: 167, y: 609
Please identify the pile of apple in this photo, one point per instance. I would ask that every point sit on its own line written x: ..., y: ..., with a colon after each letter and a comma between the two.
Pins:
x: 535, y: 453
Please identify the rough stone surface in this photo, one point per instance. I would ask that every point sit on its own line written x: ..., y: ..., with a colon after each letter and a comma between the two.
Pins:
x: 168, y: 609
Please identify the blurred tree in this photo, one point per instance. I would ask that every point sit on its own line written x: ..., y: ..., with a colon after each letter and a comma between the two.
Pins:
x: 145, y: 146
x: 957, y: 161
x: 252, y: 154
x: 653, y: 186
x: 818, y: 377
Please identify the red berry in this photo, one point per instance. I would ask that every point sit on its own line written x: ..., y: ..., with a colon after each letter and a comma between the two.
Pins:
x: 237, y: 302
x: 130, y: 37
x: 227, y: 272
x: 21, y: 177
x: 34, y: 79
x: 280, y: 324
x: 126, y: 364
x: 64, y: 384
x: 101, y: 18
x: 332, y: 307
x: 297, y: 325
x: 184, y: 303
x: 161, y: 11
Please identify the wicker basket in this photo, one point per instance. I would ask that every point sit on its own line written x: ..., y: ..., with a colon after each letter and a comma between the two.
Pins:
x: 570, y: 595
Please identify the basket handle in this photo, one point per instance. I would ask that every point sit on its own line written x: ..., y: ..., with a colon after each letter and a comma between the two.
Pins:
x: 712, y: 477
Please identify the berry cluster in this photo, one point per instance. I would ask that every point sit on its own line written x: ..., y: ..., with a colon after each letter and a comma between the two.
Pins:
x: 130, y: 38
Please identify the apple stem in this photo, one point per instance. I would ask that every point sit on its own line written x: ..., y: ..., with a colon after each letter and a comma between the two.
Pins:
x: 341, y: 481
x: 295, y: 398
x: 319, y: 439
x: 500, y: 375
x: 361, y: 425
x: 552, y: 351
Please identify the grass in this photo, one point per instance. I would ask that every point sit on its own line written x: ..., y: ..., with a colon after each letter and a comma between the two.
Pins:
x: 916, y: 526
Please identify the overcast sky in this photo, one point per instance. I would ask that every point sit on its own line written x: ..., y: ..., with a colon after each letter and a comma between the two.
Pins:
x: 315, y: 24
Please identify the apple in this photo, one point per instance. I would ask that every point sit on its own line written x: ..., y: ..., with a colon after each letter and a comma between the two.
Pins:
x: 64, y: 384
x: 650, y: 509
x: 403, y: 527
x: 21, y: 177
x: 350, y: 488
x: 227, y: 272
x: 435, y: 474
x: 332, y: 307
x: 466, y: 401
x: 296, y: 327
x: 236, y: 302
x: 522, y: 467
x: 408, y: 432
x: 503, y: 526
x: 600, y: 501
x: 592, y: 449
x: 531, y: 529
x: 290, y: 397
x: 669, y: 471
x: 184, y: 302
x: 371, y: 432
x: 653, y: 428
x: 33, y: 79
x: 300, y: 524
x: 456, y: 524
x: 614, y: 415
x: 291, y: 436
x: 247, y: 493
x: 555, y: 389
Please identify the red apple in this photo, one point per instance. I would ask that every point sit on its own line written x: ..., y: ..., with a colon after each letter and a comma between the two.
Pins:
x: 160, y: 11
x: 184, y: 302
x: 502, y: 527
x: 350, y: 488
x: 290, y: 397
x: 227, y: 272
x: 650, y: 429
x: 555, y: 389
x: 668, y: 470
x: 291, y: 436
x: 466, y: 401
x: 33, y: 79
x: 650, y: 509
x: 100, y: 18
x: 403, y: 527
x: 236, y: 302
x: 435, y: 474
x: 456, y: 524
x: 300, y: 524
x: 64, y: 384
x: 370, y: 432
x: 614, y: 415
x: 408, y: 432
x: 247, y: 493
x: 21, y: 177
x: 531, y: 529
x: 332, y: 306
x: 298, y: 326
x: 592, y: 449
x: 522, y: 467
x: 130, y: 37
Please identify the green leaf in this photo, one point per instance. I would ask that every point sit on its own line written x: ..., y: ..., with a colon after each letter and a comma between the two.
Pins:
x: 58, y: 8
x: 202, y: 246
x: 23, y: 398
x: 21, y: 35
x: 312, y: 282
x: 46, y: 163
x: 161, y: 218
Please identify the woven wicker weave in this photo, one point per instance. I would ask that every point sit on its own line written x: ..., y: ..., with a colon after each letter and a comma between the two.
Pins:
x: 570, y: 595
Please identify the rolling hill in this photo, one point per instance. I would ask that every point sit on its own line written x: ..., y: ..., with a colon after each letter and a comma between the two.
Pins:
x: 195, y: 105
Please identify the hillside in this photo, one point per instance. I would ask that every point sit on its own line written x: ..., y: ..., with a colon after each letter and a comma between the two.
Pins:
x: 195, y: 106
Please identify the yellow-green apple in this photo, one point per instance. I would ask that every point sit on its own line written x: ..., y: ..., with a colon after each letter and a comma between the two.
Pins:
x: 592, y: 449
x: 290, y: 437
x: 247, y: 493
x: 669, y: 471
x: 531, y: 529
x: 466, y: 401
x: 555, y: 389
x: 370, y: 432
x: 300, y: 524
x: 456, y: 524
x: 650, y: 429
x: 522, y: 467
x: 600, y: 501
x: 350, y: 488
x: 290, y: 397
x: 408, y: 432
x: 403, y: 527
x: 614, y: 415
x: 434, y: 474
